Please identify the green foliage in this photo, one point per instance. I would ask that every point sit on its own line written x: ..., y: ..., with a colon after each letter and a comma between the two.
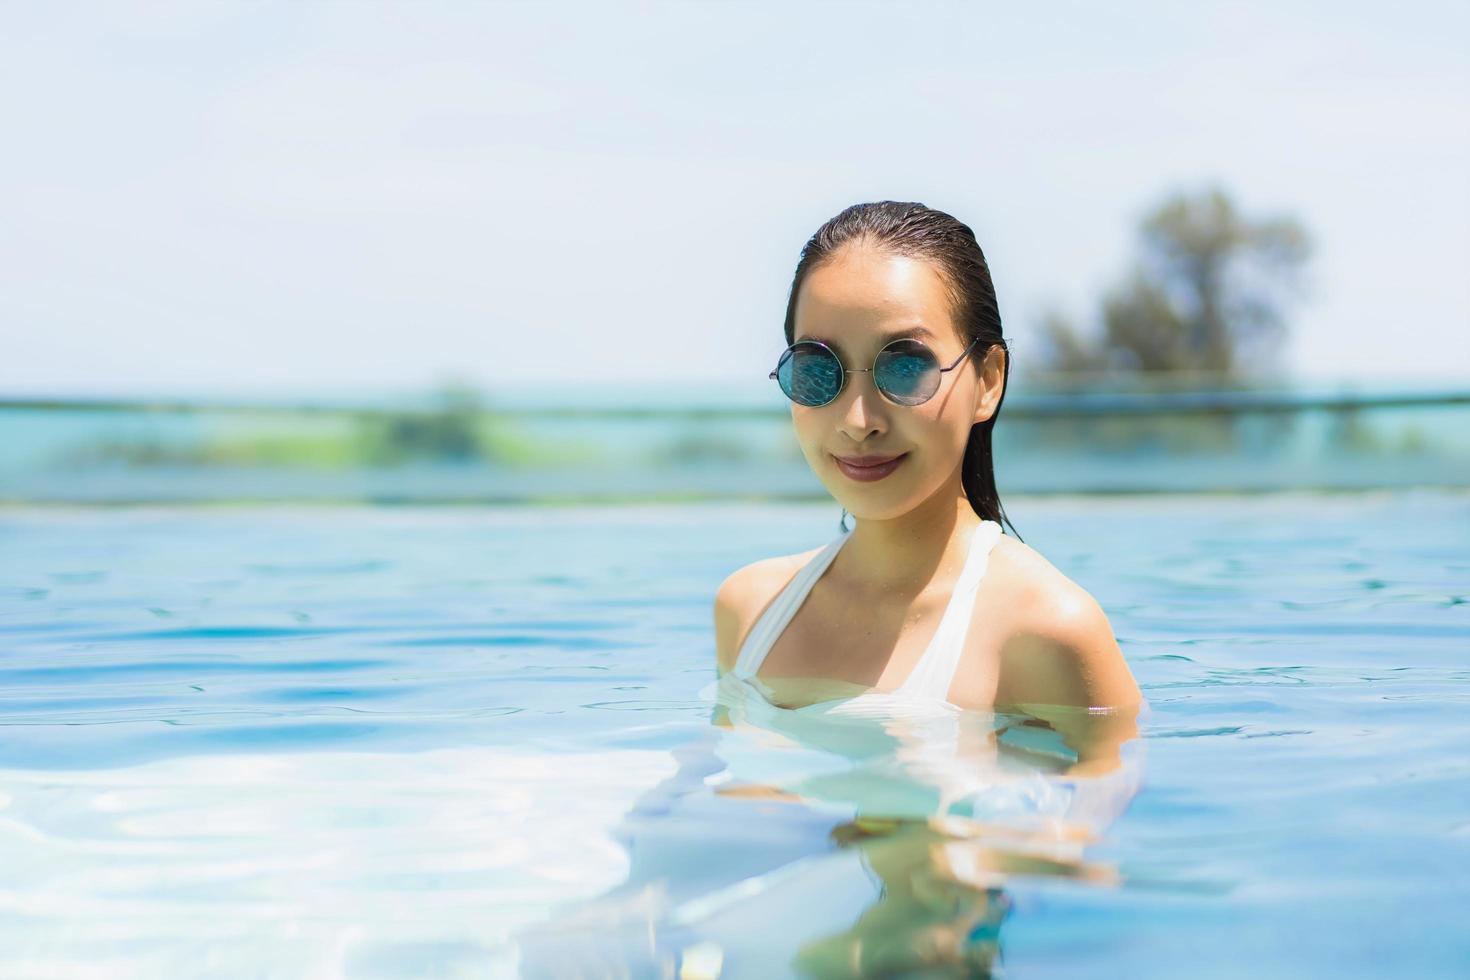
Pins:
x: 695, y: 446
x: 302, y: 445
x: 448, y: 431
x: 455, y: 428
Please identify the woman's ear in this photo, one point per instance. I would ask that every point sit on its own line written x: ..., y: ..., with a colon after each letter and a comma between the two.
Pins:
x: 992, y: 383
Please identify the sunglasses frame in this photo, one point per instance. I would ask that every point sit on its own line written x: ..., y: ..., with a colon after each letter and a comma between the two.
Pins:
x: 845, y: 370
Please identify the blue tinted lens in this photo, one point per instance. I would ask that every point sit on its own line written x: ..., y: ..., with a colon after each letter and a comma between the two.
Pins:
x: 907, y: 372
x: 810, y: 374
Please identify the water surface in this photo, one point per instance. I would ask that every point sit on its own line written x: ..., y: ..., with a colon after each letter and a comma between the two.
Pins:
x: 376, y: 742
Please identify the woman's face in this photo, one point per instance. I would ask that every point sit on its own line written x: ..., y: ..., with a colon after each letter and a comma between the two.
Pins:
x: 856, y: 302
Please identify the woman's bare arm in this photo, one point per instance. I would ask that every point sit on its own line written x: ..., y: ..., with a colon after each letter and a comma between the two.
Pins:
x: 1063, y: 665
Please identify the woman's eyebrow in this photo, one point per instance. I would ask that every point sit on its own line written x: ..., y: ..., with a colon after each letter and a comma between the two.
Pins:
x: 914, y: 331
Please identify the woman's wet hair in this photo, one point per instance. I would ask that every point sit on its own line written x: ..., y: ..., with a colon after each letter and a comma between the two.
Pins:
x: 910, y: 229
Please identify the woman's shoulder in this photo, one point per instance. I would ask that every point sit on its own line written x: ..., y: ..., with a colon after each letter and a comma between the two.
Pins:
x: 1030, y: 582
x: 1057, y: 645
x: 745, y: 594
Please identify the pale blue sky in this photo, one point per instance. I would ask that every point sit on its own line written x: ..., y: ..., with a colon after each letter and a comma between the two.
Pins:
x: 301, y: 198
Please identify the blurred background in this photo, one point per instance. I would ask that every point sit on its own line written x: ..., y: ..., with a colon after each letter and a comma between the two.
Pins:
x: 504, y: 252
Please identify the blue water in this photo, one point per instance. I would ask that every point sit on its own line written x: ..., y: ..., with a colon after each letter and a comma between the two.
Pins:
x: 376, y: 742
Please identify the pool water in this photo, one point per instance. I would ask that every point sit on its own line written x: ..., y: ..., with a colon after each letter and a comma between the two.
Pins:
x: 478, y: 742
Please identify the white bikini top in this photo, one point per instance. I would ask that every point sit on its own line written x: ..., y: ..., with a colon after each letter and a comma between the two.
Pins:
x: 930, y: 679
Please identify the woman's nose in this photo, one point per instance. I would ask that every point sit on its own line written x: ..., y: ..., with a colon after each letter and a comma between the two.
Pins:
x: 862, y: 413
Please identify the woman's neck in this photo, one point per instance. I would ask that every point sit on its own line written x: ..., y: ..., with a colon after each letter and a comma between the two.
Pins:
x: 899, y: 558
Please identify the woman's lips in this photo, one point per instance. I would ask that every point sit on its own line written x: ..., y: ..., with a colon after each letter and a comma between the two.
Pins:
x: 852, y: 469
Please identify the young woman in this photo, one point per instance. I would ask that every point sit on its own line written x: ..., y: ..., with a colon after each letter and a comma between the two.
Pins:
x: 903, y: 812
x: 896, y: 369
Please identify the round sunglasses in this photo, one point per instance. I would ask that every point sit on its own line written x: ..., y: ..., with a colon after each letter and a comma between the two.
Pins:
x: 905, y: 371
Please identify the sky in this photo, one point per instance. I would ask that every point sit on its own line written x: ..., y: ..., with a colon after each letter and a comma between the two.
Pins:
x: 222, y: 199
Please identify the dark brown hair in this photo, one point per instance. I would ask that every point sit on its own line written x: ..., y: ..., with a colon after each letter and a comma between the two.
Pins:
x: 911, y: 229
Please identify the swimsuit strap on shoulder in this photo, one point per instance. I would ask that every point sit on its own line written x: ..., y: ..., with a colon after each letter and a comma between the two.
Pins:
x: 934, y: 673
x: 768, y: 628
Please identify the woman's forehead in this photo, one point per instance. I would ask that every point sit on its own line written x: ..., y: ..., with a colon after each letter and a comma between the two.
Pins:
x: 864, y: 291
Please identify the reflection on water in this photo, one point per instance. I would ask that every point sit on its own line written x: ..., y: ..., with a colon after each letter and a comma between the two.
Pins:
x: 796, y: 843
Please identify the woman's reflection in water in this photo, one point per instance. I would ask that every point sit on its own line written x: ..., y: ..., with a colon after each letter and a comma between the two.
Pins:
x: 734, y: 878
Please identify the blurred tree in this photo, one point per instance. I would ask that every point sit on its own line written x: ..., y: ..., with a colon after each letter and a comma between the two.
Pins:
x: 1206, y: 294
x: 446, y: 431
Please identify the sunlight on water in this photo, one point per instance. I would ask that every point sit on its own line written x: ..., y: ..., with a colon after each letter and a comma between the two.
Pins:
x: 356, y: 742
x: 306, y: 863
